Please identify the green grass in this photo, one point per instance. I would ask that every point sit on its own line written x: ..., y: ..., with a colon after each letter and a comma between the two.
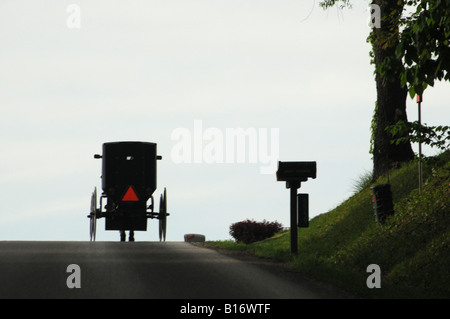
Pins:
x: 412, y: 248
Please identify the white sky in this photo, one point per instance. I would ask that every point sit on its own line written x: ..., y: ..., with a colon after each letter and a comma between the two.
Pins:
x: 138, y: 70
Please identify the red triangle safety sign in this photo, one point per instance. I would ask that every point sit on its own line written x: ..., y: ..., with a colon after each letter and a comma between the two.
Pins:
x: 130, y: 195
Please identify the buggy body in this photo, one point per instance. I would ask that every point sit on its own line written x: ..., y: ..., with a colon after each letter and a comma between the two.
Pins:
x: 129, y: 179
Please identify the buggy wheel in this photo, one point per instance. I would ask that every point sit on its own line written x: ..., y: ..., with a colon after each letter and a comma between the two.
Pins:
x: 163, y: 216
x: 93, y: 216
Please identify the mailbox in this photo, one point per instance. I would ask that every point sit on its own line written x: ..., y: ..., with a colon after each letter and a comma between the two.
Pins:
x: 293, y: 173
x: 296, y: 171
x: 382, y: 202
x: 303, y: 210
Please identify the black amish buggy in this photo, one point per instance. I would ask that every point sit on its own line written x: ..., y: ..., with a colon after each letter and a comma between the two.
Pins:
x: 128, y: 182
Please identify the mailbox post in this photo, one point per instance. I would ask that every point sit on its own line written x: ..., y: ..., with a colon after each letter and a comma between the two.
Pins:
x: 293, y: 173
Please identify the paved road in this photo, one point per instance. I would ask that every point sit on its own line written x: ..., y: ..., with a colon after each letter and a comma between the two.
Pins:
x: 172, y: 270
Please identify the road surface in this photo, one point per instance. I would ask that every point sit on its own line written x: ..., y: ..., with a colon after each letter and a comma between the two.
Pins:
x: 170, y: 270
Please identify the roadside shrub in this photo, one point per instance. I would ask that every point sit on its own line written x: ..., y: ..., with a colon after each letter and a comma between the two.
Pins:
x: 250, y: 231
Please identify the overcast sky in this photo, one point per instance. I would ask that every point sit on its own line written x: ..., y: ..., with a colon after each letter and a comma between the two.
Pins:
x: 144, y: 70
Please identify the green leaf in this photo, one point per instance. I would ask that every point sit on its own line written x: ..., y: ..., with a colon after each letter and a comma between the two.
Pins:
x: 412, y: 91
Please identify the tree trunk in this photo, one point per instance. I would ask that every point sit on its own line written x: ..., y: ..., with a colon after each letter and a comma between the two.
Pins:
x: 391, y: 96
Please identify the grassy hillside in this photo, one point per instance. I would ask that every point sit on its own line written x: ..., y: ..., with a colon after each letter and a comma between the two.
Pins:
x: 412, y: 248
